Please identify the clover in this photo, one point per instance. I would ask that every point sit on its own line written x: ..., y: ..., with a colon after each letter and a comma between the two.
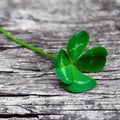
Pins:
x: 69, y: 63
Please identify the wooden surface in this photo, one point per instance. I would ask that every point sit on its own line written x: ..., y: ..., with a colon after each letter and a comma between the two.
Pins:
x: 29, y: 89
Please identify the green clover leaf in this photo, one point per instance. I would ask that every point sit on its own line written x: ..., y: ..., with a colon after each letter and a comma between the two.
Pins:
x: 62, y: 67
x: 76, y: 44
x: 93, y: 60
x: 80, y: 82
x: 68, y: 63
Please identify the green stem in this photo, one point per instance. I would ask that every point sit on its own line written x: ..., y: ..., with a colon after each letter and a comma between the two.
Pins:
x: 33, y: 48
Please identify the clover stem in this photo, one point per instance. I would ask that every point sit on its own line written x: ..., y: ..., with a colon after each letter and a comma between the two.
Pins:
x: 33, y: 48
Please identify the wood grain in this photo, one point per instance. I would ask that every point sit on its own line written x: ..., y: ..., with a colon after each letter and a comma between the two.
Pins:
x: 29, y: 89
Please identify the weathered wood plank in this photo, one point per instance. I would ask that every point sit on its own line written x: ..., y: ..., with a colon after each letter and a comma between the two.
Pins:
x: 71, y: 102
x: 28, y: 87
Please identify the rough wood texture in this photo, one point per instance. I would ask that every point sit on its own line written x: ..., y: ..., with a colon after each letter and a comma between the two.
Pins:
x: 29, y: 89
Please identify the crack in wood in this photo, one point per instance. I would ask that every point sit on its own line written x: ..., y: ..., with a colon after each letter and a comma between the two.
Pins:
x: 18, y: 115
x: 25, y: 95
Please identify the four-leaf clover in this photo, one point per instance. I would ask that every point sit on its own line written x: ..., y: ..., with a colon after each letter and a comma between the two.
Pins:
x: 68, y: 63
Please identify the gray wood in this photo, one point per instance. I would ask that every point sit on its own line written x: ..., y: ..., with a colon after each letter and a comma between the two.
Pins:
x: 29, y: 89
